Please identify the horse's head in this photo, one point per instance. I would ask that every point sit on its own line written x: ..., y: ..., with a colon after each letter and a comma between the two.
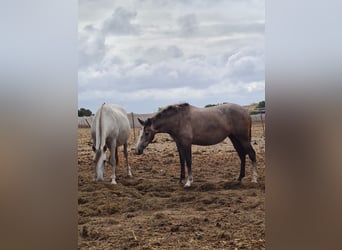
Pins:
x: 99, y: 162
x: 146, y: 135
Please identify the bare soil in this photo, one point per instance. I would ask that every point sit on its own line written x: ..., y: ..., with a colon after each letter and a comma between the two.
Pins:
x: 152, y: 210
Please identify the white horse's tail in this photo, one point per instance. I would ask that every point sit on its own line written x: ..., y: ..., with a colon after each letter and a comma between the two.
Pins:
x: 99, y: 129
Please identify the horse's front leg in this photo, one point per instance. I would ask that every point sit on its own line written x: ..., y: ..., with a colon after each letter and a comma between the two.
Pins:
x: 126, y: 160
x: 181, y: 154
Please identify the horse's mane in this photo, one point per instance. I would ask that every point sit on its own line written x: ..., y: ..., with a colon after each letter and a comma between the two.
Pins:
x: 171, y: 109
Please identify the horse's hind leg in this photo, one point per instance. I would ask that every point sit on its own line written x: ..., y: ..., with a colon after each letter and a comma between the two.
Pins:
x: 113, y: 160
x: 251, y: 154
x: 126, y: 160
x: 116, y: 157
x: 242, y: 154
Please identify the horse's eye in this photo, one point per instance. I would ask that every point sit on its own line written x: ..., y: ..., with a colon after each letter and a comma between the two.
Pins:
x: 146, y: 133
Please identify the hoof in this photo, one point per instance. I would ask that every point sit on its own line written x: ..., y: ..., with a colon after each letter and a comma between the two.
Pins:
x: 255, y: 178
x: 114, y: 182
x: 236, y: 183
x: 188, y: 184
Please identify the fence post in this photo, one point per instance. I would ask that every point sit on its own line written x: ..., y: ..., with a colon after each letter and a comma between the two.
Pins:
x: 133, y: 126
x: 262, y: 122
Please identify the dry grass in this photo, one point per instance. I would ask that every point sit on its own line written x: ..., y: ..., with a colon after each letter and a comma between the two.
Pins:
x: 152, y: 211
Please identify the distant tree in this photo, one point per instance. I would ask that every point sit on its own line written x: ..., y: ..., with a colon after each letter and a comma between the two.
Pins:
x: 213, y: 105
x: 84, y: 112
x: 210, y: 105
x: 259, y: 108
x: 261, y: 104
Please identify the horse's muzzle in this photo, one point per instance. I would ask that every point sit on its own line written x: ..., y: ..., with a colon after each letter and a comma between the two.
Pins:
x: 139, y: 151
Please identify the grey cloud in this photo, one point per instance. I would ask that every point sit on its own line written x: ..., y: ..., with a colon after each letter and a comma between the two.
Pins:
x: 131, y: 63
x: 119, y: 23
x: 174, y: 51
x: 92, y: 46
x: 227, y: 29
x: 116, y: 60
x: 188, y: 25
x: 156, y: 54
x: 187, y: 3
x: 196, y: 72
x: 246, y: 66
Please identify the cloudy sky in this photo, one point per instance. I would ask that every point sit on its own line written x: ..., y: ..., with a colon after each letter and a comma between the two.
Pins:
x: 145, y: 54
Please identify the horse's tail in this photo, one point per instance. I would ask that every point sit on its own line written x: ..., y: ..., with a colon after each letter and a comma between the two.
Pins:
x: 99, y: 129
x: 250, y: 129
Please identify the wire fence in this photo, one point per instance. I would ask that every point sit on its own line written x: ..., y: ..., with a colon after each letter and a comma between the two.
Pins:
x: 260, y: 116
x: 85, y: 122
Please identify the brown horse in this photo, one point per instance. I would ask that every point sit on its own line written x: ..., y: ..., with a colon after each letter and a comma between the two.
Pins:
x: 189, y: 125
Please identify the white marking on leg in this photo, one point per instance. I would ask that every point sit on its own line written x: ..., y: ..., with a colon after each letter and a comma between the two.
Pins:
x: 113, y: 179
x: 112, y: 159
x: 255, y: 174
x: 113, y: 174
x: 189, y: 181
x: 127, y: 164
x: 129, y: 171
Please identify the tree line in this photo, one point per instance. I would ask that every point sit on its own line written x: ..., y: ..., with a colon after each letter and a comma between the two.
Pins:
x: 84, y: 112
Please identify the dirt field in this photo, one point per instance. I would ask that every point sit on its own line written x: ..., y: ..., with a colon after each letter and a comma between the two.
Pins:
x: 152, y: 211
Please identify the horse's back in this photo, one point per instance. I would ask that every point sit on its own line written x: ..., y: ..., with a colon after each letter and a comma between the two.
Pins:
x: 115, y: 114
x: 115, y: 123
x: 213, y: 124
x: 225, y: 114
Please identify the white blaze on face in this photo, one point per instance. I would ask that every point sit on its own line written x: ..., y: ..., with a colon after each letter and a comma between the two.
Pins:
x: 139, y: 139
x: 140, y: 135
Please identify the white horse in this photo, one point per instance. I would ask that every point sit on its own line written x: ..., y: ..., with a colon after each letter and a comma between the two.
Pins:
x: 110, y: 129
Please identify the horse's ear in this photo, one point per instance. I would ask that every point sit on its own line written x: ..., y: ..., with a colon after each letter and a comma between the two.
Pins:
x: 148, y: 122
x: 93, y: 147
x: 141, y: 122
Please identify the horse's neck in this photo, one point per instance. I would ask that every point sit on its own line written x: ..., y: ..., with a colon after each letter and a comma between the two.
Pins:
x: 163, y: 125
